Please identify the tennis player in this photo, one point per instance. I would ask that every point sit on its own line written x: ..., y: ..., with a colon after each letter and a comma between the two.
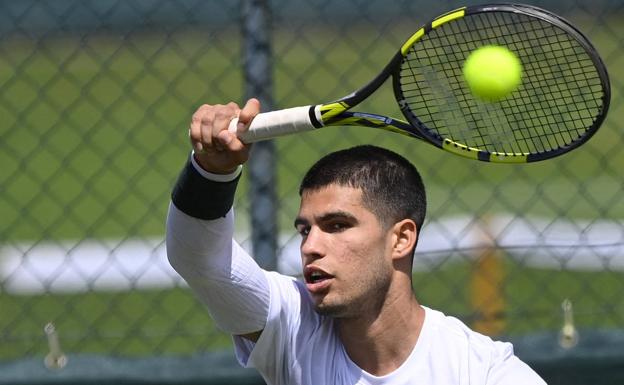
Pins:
x: 354, y: 318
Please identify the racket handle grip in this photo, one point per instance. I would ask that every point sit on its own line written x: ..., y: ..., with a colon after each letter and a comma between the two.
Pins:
x: 272, y: 124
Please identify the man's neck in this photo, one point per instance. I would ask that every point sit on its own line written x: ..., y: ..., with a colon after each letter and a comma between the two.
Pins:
x: 381, y: 343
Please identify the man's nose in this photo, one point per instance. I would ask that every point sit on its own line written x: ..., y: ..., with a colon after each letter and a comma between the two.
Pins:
x: 312, y: 245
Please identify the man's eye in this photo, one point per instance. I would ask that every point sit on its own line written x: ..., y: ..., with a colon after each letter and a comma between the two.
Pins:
x: 338, y: 226
x: 303, y: 230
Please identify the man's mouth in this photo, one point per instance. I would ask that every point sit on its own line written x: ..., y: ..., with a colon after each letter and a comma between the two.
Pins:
x: 316, y: 279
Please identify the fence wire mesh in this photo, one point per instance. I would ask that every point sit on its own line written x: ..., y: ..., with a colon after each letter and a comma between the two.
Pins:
x: 95, y: 101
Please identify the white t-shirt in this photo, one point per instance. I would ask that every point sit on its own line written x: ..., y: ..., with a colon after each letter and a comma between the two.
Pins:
x: 299, y: 346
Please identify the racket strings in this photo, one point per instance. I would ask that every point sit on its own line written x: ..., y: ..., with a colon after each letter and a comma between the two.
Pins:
x: 557, y: 102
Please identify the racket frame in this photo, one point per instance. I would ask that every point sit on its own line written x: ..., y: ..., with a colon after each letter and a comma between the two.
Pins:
x: 337, y: 113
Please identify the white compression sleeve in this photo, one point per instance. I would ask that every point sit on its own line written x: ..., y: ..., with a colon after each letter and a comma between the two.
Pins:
x: 225, y: 278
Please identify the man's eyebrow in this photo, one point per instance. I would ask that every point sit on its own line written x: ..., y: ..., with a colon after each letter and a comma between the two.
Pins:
x: 336, y: 215
x: 299, y: 221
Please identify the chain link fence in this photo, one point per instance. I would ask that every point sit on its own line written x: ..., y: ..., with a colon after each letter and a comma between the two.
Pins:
x: 95, y: 101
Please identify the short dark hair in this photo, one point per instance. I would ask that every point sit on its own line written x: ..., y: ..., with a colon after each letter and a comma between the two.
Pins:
x: 392, y: 188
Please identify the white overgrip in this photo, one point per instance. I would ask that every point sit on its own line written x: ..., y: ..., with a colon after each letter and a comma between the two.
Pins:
x: 272, y: 124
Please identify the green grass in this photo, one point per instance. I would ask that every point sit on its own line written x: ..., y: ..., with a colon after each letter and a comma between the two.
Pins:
x: 135, y: 323
x: 532, y: 297
x: 93, y: 133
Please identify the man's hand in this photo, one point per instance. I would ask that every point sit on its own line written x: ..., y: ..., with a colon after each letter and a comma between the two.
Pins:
x: 218, y: 150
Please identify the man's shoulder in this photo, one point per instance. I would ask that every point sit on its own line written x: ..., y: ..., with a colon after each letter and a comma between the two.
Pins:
x: 286, y: 283
x: 456, y: 334
x: 487, y: 360
x: 291, y: 294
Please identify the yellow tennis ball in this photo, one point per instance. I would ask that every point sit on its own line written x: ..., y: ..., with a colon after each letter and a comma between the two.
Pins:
x: 492, y: 72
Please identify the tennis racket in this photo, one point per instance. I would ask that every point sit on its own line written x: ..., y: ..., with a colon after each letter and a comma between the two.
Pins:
x: 562, y: 100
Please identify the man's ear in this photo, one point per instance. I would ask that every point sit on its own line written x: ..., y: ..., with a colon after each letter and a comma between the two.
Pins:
x: 405, y: 236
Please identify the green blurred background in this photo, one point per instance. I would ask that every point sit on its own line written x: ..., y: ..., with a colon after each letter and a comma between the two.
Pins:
x: 95, y: 101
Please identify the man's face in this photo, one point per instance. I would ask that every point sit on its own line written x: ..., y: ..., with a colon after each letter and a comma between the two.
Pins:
x: 345, y: 251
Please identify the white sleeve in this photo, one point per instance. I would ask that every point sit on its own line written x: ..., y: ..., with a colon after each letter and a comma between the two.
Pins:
x: 225, y: 278
x: 508, y: 369
x: 289, y: 330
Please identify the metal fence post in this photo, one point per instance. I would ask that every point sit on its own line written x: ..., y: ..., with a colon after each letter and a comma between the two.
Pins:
x: 259, y: 83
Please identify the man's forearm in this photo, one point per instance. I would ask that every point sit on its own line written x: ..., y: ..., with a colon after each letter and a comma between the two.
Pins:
x: 201, y: 249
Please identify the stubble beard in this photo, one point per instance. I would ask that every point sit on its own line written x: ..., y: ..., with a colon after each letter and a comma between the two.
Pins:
x: 368, y: 298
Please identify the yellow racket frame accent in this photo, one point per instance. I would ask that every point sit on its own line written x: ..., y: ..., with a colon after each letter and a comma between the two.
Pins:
x: 473, y: 153
x: 434, y: 24
x: 330, y: 110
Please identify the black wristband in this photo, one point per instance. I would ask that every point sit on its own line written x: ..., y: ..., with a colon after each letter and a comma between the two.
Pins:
x: 202, y: 198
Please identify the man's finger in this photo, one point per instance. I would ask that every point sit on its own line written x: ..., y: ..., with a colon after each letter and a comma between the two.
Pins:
x: 249, y: 111
x: 203, y: 114
x: 221, y: 122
